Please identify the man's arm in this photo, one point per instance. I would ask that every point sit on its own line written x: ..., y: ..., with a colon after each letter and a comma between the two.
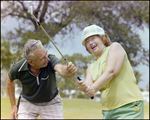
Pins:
x: 68, y: 70
x: 11, y: 92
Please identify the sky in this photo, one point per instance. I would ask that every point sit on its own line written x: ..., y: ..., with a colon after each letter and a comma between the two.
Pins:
x: 75, y: 46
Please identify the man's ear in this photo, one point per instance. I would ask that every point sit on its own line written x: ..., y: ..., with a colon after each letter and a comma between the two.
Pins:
x: 30, y: 62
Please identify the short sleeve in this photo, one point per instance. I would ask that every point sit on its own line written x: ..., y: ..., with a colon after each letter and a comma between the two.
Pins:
x: 53, y: 60
x: 13, y: 72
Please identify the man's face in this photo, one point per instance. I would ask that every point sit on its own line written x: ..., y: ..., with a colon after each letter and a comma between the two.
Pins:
x: 41, y: 58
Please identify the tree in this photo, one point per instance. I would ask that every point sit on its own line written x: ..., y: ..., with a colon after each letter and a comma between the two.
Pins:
x: 120, y: 20
x: 49, y: 13
x: 81, y: 63
x: 6, y: 56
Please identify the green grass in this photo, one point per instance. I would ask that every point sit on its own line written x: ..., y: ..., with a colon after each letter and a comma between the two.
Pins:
x: 81, y: 109
x: 5, y: 108
x: 73, y: 109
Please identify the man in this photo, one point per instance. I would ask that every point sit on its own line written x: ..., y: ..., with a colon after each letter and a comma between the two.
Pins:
x: 36, y: 72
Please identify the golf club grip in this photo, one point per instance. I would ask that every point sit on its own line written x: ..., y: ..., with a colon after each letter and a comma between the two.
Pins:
x: 79, y: 80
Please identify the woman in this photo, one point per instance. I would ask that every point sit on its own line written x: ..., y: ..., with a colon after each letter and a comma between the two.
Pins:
x: 112, y: 75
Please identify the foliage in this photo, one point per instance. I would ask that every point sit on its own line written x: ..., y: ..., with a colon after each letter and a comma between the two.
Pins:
x: 81, y: 63
x: 120, y: 20
x: 49, y: 14
x: 7, y: 56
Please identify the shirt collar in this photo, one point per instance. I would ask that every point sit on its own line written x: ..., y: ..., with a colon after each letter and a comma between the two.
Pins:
x: 24, y: 66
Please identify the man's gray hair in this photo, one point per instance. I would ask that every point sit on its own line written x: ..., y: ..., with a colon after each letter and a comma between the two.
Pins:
x: 31, y: 46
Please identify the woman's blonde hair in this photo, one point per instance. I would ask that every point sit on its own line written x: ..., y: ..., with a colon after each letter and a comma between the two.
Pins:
x: 105, y: 39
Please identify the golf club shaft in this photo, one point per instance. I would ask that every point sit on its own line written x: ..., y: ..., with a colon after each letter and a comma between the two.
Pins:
x: 53, y: 43
x: 18, y: 103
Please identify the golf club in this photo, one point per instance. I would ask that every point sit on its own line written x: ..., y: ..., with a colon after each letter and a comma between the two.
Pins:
x: 18, y: 103
x: 38, y: 23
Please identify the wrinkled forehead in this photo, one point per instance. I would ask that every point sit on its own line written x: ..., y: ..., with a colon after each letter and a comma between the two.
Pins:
x: 40, y: 52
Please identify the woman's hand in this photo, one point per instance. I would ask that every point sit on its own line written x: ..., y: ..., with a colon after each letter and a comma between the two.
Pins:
x: 88, y: 90
x: 82, y: 86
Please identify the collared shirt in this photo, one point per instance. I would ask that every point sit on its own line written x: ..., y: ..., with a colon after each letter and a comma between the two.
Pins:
x: 40, y: 88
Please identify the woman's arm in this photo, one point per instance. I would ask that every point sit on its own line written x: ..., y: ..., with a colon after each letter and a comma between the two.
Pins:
x: 83, y: 85
x: 115, y: 60
x: 88, y: 79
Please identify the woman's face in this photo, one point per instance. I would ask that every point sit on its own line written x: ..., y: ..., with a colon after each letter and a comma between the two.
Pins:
x: 95, y: 45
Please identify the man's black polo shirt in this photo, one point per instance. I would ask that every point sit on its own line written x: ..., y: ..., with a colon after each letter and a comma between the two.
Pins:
x: 37, y: 89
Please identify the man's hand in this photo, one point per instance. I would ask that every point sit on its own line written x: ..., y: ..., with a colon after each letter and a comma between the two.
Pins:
x: 14, y: 111
x: 11, y: 92
x: 67, y: 70
x: 71, y: 67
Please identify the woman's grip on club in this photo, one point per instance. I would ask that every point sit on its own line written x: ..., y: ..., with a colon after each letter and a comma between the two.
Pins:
x: 80, y: 80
